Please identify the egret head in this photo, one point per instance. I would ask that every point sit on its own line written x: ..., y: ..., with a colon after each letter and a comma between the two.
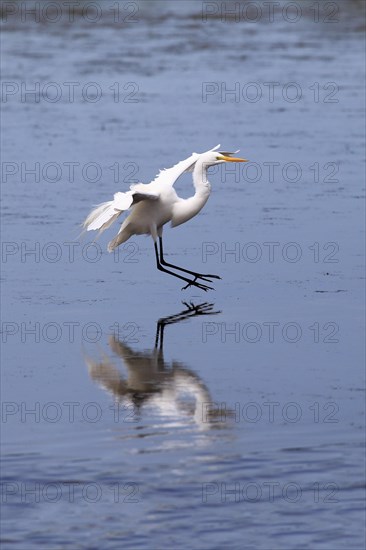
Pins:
x: 218, y: 157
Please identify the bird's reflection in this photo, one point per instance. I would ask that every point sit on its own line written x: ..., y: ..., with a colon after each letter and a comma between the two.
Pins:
x: 172, y: 389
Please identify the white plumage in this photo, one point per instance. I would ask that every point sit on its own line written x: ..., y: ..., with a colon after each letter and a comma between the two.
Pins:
x: 154, y: 204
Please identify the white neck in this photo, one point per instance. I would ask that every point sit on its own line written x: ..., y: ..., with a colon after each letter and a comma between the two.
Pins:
x: 185, y: 209
x: 200, y: 181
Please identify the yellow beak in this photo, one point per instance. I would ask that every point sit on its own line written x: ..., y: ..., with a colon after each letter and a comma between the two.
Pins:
x: 233, y: 159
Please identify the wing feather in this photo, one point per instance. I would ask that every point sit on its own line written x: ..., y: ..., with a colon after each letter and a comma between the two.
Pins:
x: 106, y: 213
x: 102, y: 217
x: 169, y: 176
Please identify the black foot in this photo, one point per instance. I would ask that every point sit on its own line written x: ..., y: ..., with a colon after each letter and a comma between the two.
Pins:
x: 198, y: 285
x: 205, y: 277
x: 212, y: 276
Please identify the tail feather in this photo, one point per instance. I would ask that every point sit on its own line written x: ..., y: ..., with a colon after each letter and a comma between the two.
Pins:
x: 103, y: 215
x: 106, y: 213
x: 122, y: 237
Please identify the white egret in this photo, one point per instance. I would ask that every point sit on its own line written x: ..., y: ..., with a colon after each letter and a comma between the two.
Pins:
x: 154, y: 204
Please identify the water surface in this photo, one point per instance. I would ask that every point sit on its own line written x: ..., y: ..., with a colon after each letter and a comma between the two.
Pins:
x: 245, y: 428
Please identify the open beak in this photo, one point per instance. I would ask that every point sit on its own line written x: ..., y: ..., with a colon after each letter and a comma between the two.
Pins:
x: 233, y: 159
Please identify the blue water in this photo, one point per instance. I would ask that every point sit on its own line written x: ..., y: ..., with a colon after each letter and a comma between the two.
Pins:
x: 245, y: 428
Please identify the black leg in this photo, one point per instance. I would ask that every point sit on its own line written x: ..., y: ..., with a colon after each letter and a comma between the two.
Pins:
x: 202, y: 276
x: 188, y: 281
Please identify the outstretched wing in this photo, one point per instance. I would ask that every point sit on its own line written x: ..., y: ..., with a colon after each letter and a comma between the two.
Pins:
x: 169, y: 176
x: 106, y: 213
